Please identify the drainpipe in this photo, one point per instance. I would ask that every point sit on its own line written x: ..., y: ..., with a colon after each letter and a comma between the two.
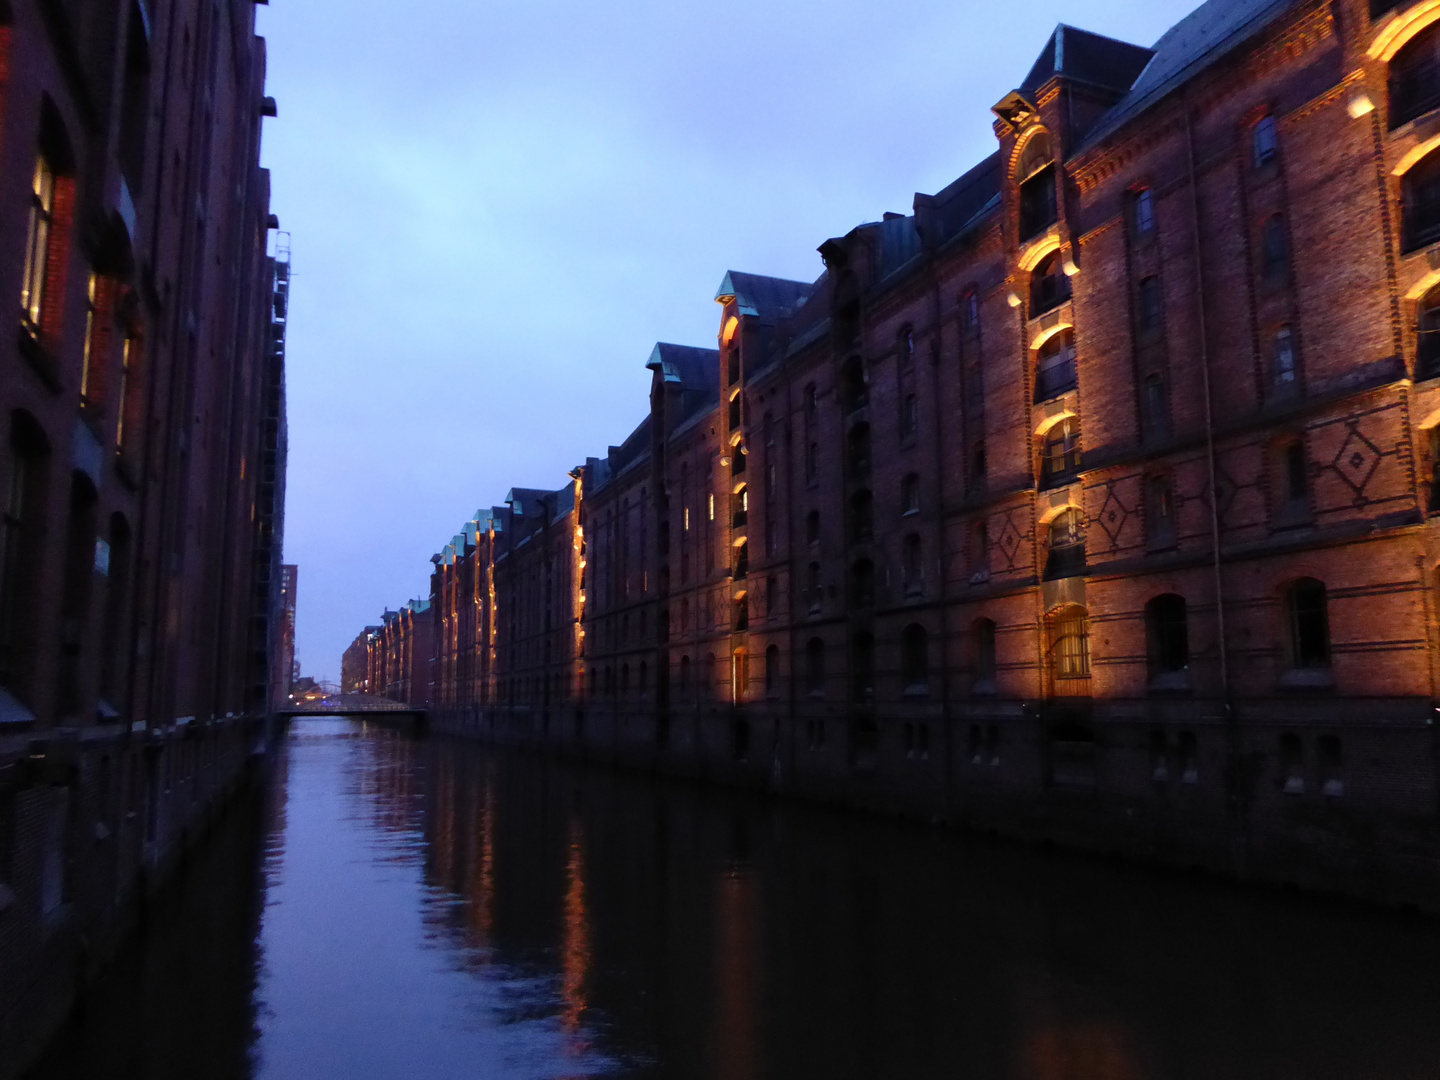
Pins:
x: 1235, y: 777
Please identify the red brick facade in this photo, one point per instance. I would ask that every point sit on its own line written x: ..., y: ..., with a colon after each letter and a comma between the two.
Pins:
x: 1092, y: 500
x: 141, y: 465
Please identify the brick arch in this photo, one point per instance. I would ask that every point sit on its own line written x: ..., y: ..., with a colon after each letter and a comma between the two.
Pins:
x: 1416, y: 154
x: 1050, y: 421
x: 1044, y: 520
x: 1397, y: 32
x: 1030, y: 257
x: 1045, y: 335
x: 1029, y: 136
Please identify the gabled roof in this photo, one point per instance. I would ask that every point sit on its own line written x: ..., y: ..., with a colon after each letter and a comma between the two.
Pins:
x: 1207, y: 34
x: 767, y: 297
x: 1089, y: 58
x: 691, y: 367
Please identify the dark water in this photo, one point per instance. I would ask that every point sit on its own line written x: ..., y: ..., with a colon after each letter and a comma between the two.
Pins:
x: 400, y: 908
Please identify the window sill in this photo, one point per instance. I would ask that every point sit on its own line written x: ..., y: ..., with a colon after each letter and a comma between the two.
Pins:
x: 1314, y: 678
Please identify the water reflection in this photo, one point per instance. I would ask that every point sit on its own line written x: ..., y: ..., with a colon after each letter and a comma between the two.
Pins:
x: 433, y: 909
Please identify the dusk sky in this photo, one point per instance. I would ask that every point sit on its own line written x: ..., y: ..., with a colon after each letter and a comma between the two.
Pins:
x: 498, y: 209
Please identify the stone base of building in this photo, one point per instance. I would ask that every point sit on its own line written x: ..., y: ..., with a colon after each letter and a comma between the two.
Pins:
x: 93, y: 823
x: 1217, y: 793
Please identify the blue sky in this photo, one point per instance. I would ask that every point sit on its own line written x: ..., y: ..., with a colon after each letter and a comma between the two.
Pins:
x: 497, y: 210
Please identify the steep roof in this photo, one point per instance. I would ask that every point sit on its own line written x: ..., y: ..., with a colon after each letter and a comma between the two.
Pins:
x: 1086, y: 57
x: 693, y: 368
x: 767, y: 297
x: 1209, y: 33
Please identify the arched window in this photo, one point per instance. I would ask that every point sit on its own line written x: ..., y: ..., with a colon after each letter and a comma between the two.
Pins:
x: 38, y: 235
x: 854, y: 391
x: 909, y: 416
x: 1060, y: 458
x: 740, y: 504
x: 1427, y: 336
x: 1055, y: 366
x: 1142, y: 214
x: 1420, y: 190
x: 862, y: 667
x: 1049, y: 287
x: 815, y: 667
x: 812, y: 528
x: 1415, y: 77
x: 862, y: 516
x: 915, y: 659
x: 1308, y: 617
x: 985, y: 667
x: 742, y: 558
x: 772, y: 671
x: 859, y: 446
x: 1265, y: 143
x: 1066, y: 556
x: 1149, y: 315
x: 1036, y: 175
x: 862, y: 584
x: 1069, y: 643
x: 1167, y: 630
x: 912, y: 565
x: 20, y: 545
x: 1274, y: 249
x: 910, y: 494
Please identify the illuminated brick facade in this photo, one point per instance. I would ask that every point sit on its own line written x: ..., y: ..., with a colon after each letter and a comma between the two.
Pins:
x: 1091, y: 500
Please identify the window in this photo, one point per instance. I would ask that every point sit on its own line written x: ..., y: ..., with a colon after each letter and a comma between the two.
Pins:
x: 815, y: 667
x: 1070, y: 643
x: 910, y: 494
x: 915, y: 659
x: 89, y: 355
x: 812, y: 462
x: 37, y: 244
x: 854, y: 391
x: 1168, y: 635
x: 20, y: 540
x: 1415, y: 77
x: 1283, y: 364
x: 812, y: 528
x: 1292, y: 765
x: 1149, y: 316
x: 862, y: 584
x: 984, y: 656
x: 1308, y: 616
x: 862, y: 517
x: 859, y: 445
x: 862, y: 669
x: 811, y: 406
x: 974, y: 389
x: 1420, y: 197
x: 710, y: 507
x: 732, y: 367
x: 1142, y: 214
x: 686, y: 686
x: 1297, y: 473
x: 1160, y: 510
x: 907, y: 349
x: 1055, y: 366
x: 1265, y: 143
x: 1049, y: 287
x: 1432, y: 465
x: 1154, y: 406
x: 740, y: 675
x: 741, y: 616
x: 1067, y: 546
x: 813, y: 588
x: 979, y: 552
x: 1061, y: 455
x: 740, y: 504
x: 1332, y: 783
x: 977, y: 466
x: 772, y: 671
x: 1274, y: 248
x: 742, y: 558
x: 1427, y: 336
x: 735, y: 410
x: 909, y: 417
x: 1038, y: 207
x: 912, y: 565
x: 970, y: 312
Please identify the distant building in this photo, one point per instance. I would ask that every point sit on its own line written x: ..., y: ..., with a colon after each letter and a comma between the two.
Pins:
x: 354, y: 664
x: 286, y: 670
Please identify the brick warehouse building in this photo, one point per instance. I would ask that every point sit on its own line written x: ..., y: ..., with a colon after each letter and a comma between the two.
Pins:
x: 142, y: 465
x: 1091, y: 500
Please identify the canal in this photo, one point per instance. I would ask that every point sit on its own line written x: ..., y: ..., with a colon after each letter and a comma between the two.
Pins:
x: 394, y: 907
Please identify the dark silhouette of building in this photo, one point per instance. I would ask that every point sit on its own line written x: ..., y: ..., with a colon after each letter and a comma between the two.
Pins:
x: 141, y: 468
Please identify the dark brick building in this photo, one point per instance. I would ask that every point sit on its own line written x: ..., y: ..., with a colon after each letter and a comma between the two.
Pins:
x: 141, y: 467
x: 1093, y: 499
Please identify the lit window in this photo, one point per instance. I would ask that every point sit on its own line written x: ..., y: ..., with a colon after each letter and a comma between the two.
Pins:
x: 1055, y: 366
x: 1070, y: 643
x: 1061, y: 457
x: 127, y: 374
x: 1067, y: 546
x: 86, y: 375
x: 37, y: 243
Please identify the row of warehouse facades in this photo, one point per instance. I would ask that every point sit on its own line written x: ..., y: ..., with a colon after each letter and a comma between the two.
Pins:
x: 142, y: 465
x: 1090, y: 500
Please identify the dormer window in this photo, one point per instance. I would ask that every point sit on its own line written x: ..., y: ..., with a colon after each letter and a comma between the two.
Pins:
x: 1049, y: 287
x: 1038, y: 206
